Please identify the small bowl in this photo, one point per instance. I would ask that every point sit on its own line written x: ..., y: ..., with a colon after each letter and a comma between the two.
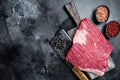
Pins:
x: 112, y: 29
x: 101, y: 12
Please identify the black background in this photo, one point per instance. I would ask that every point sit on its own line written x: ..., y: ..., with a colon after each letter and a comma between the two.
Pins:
x: 27, y: 25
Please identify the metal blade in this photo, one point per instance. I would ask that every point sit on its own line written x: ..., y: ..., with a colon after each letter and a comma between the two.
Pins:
x: 61, y: 44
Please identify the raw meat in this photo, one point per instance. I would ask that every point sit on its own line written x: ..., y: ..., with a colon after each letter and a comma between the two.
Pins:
x: 90, y: 50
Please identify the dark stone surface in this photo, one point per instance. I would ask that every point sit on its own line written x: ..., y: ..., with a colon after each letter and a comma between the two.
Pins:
x: 27, y: 25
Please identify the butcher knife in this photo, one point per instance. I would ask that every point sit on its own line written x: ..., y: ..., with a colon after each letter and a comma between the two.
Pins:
x: 74, y: 14
x: 61, y: 44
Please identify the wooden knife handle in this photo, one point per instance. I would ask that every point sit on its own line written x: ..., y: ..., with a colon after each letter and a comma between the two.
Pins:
x: 79, y: 74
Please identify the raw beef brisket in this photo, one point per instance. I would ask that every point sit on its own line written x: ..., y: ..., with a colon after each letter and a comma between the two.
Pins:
x: 90, y: 50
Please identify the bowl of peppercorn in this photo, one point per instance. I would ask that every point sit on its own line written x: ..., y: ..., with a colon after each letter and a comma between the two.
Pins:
x: 112, y: 29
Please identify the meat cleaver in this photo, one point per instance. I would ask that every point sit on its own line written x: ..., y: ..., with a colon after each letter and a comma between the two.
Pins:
x: 61, y: 44
x: 74, y: 14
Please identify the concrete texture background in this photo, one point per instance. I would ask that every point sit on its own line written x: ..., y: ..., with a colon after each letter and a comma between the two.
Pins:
x: 27, y: 25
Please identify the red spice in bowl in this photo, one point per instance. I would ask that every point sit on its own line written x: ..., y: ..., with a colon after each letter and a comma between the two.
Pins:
x: 113, y: 29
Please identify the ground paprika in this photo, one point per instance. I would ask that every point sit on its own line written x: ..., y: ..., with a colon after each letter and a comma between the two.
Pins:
x: 113, y: 29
